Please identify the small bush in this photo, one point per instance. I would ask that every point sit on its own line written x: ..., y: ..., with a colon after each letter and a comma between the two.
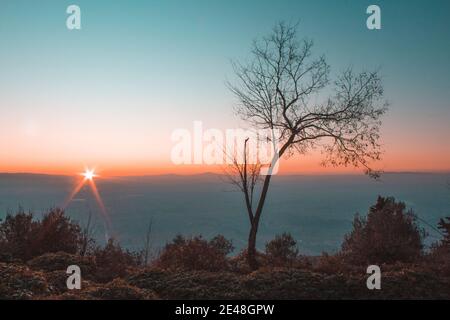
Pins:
x: 239, y: 262
x: 56, y: 233
x: 195, y: 253
x: 282, y: 251
x: 438, y: 258
x: 336, y: 264
x: 113, y: 262
x: 119, y: 289
x: 20, y: 282
x: 23, y: 238
x: 184, y: 284
x: 389, y: 234
x: 61, y: 260
x: 222, y: 244
x: 17, y: 236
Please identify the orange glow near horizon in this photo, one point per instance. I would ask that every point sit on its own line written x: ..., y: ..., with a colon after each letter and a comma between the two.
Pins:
x: 291, y: 166
x: 310, y: 164
x: 430, y: 157
x: 141, y: 148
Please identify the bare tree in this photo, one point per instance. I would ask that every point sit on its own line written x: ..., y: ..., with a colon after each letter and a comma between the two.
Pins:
x: 279, y: 89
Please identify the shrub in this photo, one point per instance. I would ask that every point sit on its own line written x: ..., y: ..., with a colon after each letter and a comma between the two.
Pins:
x: 61, y: 260
x: 55, y: 241
x: 118, y: 289
x: 195, y: 253
x: 113, y: 262
x: 222, y: 244
x: 438, y: 258
x: 185, y: 284
x: 19, y: 282
x: 57, y: 233
x: 239, y: 262
x: 388, y: 234
x: 17, y: 236
x: 336, y: 264
x: 282, y: 251
x: 23, y: 238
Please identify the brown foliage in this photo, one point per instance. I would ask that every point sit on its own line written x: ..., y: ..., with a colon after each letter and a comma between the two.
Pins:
x: 195, y: 253
x: 113, y: 261
x: 17, y: 234
x: 118, y: 289
x: 388, y: 234
x: 61, y: 260
x: 335, y: 264
x: 282, y: 251
x: 57, y: 232
x: 23, y: 238
x: 19, y: 282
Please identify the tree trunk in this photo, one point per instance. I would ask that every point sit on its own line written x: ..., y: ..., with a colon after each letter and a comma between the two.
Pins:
x: 251, y: 249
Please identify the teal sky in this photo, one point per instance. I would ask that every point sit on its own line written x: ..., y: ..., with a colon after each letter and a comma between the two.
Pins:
x: 140, y: 69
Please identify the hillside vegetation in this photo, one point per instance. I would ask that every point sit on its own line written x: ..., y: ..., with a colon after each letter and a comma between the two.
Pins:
x: 34, y: 256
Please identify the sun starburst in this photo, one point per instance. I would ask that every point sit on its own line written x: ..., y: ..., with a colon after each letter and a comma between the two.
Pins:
x: 89, y: 174
x: 88, y: 178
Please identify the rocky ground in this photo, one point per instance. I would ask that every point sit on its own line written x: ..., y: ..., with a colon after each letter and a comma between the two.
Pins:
x: 45, y: 278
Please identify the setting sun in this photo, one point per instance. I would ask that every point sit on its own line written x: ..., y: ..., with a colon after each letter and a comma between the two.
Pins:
x: 89, y: 174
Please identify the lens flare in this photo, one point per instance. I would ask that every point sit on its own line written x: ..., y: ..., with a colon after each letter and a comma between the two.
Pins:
x: 89, y: 175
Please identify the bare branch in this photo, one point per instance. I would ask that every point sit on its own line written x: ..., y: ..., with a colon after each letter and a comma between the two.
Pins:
x: 245, y: 176
x: 274, y: 89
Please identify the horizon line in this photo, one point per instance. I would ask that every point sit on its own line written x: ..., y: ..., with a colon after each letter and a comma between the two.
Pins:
x: 222, y: 174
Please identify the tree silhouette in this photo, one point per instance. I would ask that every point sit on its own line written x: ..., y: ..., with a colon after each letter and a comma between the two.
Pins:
x: 282, y: 88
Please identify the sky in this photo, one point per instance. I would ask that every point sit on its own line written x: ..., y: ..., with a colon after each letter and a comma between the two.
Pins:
x: 110, y: 95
